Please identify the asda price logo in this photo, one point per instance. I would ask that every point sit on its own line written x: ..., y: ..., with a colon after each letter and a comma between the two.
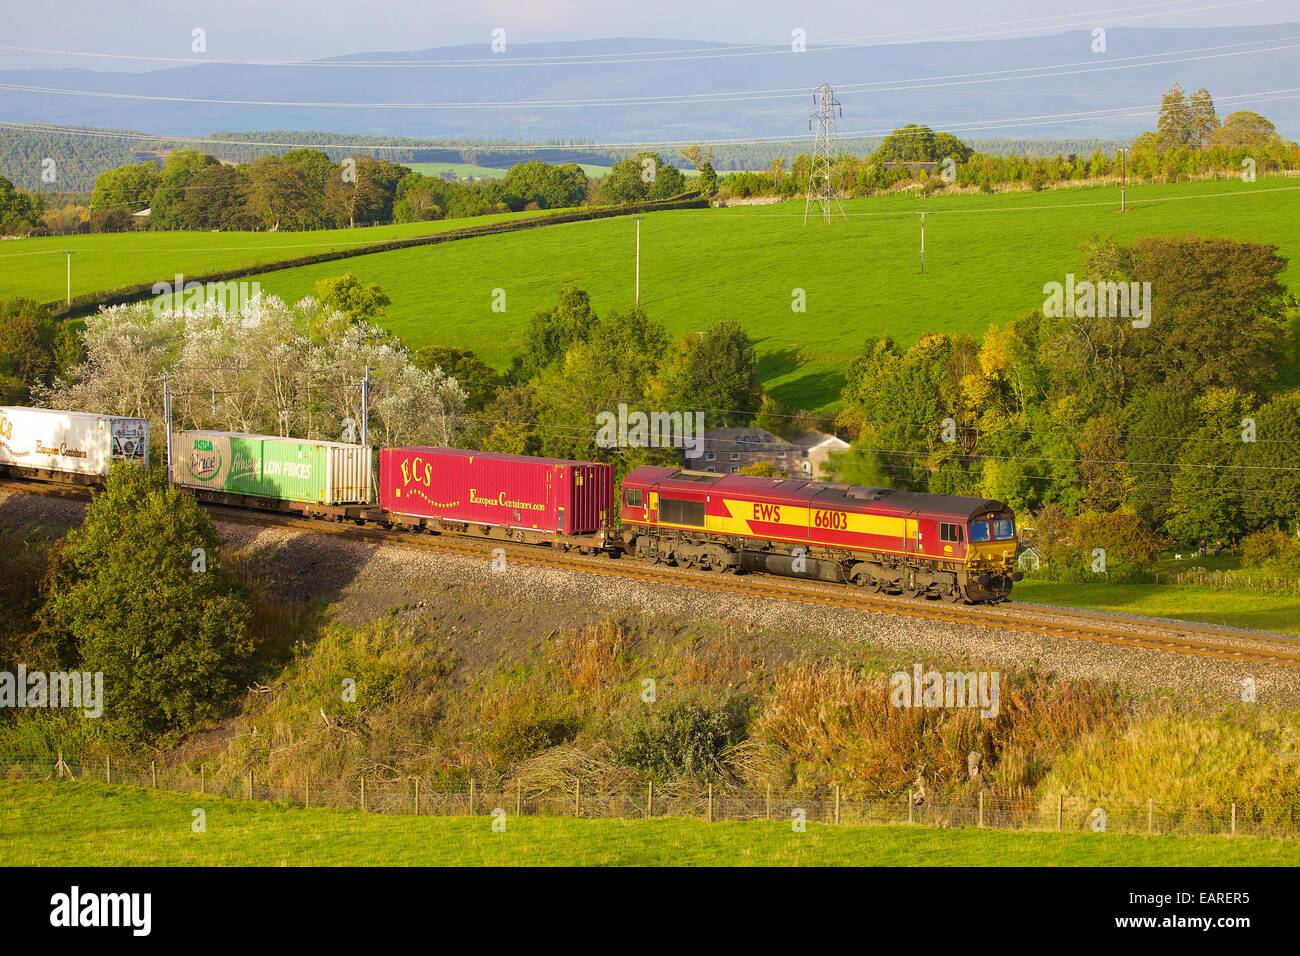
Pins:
x: 205, y: 461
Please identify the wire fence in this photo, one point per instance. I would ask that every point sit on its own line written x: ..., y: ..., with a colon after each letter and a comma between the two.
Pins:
x: 414, y: 796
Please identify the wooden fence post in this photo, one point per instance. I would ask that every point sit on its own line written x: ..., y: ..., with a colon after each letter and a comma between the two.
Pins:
x: 910, y: 805
x: 203, y: 778
x: 363, y: 793
x: 519, y: 798
x: 837, y: 804
x: 577, y: 797
x: 767, y: 804
x: 417, y: 796
x: 981, y: 817
x: 1060, y: 809
x: 1234, y: 818
x: 153, y: 772
x: 108, y: 769
x: 306, y: 792
x: 710, y: 803
x: 58, y: 767
x: 250, y: 785
x: 650, y: 799
x: 1151, y: 815
x: 471, y: 796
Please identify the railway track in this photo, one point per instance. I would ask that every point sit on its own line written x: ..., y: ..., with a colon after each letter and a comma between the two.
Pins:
x: 1187, y: 639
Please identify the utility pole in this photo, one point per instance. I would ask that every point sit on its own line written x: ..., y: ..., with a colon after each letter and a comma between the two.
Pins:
x: 923, y: 243
x: 820, y: 188
x: 638, y: 260
x: 365, y: 408
x: 167, y: 424
x: 68, y: 253
x: 1123, y: 176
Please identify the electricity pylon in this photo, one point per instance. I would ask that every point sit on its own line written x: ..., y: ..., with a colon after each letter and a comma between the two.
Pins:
x: 820, y: 189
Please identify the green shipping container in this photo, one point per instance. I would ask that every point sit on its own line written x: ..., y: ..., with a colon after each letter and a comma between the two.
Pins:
x: 265, y: 466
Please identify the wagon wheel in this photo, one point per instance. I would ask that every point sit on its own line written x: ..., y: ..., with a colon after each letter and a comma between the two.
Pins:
x: 874, y: 584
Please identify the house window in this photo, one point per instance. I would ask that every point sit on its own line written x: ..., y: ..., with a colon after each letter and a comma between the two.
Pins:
x: 735, y: 456
x: 950, y: 533
x: 735, y: 468
x: 780, y: 454
x: 632, y: 497
x: 709, y: 456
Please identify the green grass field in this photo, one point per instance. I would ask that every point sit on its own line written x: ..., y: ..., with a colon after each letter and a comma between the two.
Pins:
x: 37, y: 268
x: 467, y: 170
x: 987, y: 259
x: 1262, y: 611
x: 83, y: 824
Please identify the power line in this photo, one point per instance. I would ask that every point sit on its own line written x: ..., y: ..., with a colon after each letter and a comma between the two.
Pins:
x: 652, y: 56
x: 658, y: 100
x: 1034, y: 120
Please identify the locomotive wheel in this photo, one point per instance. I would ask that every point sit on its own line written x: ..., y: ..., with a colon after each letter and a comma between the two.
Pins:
x: 952, y: 596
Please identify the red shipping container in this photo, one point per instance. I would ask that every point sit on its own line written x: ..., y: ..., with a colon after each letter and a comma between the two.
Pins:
x: 544, y: 495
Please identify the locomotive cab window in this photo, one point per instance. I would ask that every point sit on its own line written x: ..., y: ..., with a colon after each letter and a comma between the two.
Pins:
x: 632, y: 497
x: 950, y: 533
x: 676, y: 511
x: 979, y: 531
x: 1004, y: 529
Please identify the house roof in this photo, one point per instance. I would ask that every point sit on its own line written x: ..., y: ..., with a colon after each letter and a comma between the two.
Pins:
x: 816, y: 439
x: 738, y: 439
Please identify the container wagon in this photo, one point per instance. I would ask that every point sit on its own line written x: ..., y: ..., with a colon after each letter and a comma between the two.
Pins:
x: 50, y: 444
x: 318, y: 478
x: 885, y: 540
x: 512, y: 497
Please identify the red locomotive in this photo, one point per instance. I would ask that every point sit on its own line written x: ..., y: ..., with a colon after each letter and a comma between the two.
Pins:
x: 878, y: 538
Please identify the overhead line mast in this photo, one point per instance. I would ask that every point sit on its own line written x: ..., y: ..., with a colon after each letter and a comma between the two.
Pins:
x: 820, y: 188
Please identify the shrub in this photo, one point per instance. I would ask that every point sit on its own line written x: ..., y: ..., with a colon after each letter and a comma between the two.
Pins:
x: 1270, y: 549
x: 1130, y: 549
x: 688, y: 737
x: 169, y: 635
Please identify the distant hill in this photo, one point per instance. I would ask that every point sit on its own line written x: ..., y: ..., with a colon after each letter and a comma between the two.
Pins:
x: 628, y: 68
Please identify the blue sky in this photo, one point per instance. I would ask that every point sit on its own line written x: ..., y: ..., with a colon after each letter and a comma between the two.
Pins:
x: 305, y: 29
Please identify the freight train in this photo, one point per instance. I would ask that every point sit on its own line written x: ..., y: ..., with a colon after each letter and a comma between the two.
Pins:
x: 947, y: 547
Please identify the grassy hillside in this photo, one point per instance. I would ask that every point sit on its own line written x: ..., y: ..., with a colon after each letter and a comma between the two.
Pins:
x: 82, y: 824
x: 987, y: 259
x: 37, y: 268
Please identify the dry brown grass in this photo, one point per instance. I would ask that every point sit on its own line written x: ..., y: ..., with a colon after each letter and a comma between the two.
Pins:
x: 836, y: 724
x: 594, y: 658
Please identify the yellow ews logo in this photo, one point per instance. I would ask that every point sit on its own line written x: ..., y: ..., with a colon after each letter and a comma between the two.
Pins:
x: 769, y: 513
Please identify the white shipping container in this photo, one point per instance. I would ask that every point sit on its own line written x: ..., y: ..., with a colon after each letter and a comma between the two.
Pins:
x: 74, y: 443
